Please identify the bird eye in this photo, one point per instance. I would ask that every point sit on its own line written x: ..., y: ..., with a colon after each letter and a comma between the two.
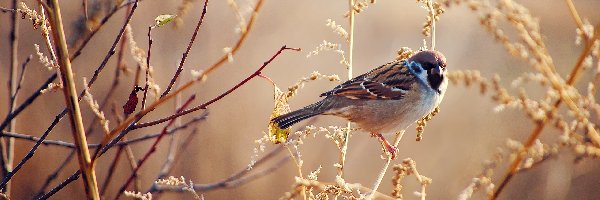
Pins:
x: 427, y: 66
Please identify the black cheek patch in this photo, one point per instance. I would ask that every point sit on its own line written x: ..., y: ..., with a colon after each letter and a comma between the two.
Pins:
x: 435, y: 80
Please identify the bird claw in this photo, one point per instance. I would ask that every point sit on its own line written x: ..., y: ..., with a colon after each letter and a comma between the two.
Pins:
x: 390, y: 149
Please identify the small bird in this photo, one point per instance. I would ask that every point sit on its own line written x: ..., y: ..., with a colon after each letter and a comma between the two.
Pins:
x: 386, y: 99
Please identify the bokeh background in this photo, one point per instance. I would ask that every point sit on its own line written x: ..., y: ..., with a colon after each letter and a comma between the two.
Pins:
x: 465, y: 133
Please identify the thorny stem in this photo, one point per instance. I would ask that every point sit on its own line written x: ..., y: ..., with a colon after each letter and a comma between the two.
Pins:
x: 514, y: 167
x: 385, y: 167
x: 71, y: 99
x: 350, y: 58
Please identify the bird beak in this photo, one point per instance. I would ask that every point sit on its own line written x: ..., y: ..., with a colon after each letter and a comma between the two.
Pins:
x: 436, y: 70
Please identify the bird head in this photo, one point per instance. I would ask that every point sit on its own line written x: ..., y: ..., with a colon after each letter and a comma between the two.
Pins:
x: 434, y: 63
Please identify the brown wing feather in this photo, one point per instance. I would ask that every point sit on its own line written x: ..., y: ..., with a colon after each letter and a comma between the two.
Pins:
x: 389, y: 81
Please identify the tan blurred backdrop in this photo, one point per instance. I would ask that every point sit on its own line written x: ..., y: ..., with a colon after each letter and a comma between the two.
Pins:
x: 466, y: 132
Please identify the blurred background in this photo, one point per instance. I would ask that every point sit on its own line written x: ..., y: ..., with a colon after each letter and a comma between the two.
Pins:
x: 466, y: 132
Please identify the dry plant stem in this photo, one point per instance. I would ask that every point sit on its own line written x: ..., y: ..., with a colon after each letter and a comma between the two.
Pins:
x: 187, y: 51
x: 8, y: 151
x: 350, y: 56
x: 36, y: 94
x: 385, y: 166
x: 88, y: 37
x: 299, y: 167
x: 432, y: 12
x: 239, y: 43
x: 59, y: 116
x: 21, y: 78
x: 85, y: 9
x: 27, y: 102
x: 514, y: 167
x: 128, y: 126
x: 71, y: 99
x: 203, y: 106
x: 135, y: 118
x: 147, y: 67
x: 227, y: 183
x: 64, y: 144
x: 237, y: 179
x: 575, y: 15
x: 152, y: 149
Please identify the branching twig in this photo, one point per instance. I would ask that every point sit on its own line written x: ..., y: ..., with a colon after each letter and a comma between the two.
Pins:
x: 111, y: 143
x: 152, y: 149
x: 59, y: 116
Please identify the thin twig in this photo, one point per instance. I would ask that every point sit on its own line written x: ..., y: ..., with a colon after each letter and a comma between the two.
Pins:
x: 89, y: 36
x: 60, y: 143
x: 187, y: 51
x: 107, y: 145
x: 8, y: 151
x: 239, y: 43
x: 147, y: 68
x: 205, y: 105
x: 129, y: 122
x: 152, y: 149
x: 385, y: 166
x: 59, y: 116
x: 21, y: 77
x: 344, y: 149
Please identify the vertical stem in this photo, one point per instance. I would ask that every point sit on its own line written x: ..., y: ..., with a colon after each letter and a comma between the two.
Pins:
x: 13, y: 82
x: 85, y: 164
x: 432, y: 12
x: 385, y: 167
x: 350, y: 52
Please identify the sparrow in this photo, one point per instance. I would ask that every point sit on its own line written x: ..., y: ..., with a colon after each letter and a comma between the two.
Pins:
x: 386, y: 99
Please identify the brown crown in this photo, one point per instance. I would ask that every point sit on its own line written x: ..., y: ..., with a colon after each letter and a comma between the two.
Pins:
x: 431, y: 56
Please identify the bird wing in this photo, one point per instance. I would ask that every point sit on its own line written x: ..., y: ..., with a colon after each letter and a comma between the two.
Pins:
x: 387, y: 82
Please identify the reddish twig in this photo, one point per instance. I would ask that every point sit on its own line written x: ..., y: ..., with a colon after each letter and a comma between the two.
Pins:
x: 205, y: 105
x: 187, y: 51
x: 152, y: 148
x: 61, y: 115
x: 147, y: 68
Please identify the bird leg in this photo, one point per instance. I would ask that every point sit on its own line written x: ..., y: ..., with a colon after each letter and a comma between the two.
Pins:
x: 389, y: 148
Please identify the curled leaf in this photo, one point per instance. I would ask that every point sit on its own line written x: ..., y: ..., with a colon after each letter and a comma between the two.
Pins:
x: 276, y: 134
x: 163, y: 19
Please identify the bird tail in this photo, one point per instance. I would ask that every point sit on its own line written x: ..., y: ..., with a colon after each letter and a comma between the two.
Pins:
x: 291, y: 118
